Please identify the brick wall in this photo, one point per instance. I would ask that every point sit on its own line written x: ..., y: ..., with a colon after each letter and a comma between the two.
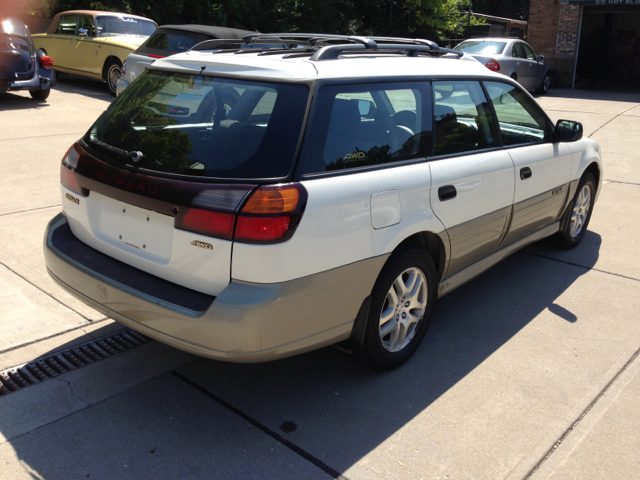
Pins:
x: 553, y: 32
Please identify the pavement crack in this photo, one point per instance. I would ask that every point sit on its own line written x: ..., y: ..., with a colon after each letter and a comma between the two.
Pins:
x: 42, y: 136
x: 263, y: 428
x: 30, y: 210
x: 581, y: 266
x: 623, y: 183
x: 584, y: 413
x: 46, y: 293
x: 607, y: 123
x: 72, y: 392
x: 79, y: 327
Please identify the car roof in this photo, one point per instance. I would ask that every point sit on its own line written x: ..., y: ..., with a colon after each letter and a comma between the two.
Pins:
x: 282, y: 66
x: 494, y: 39
x: 211, y: 30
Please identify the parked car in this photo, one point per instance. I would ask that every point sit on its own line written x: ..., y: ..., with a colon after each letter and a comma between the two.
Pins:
x: 511, y: 57
x: 336, y: 199
x: 22, y: 66
x: 93, y: 44
x: 168, y: 40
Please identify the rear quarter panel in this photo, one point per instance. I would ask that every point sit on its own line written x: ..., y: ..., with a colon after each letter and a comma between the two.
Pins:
x: 336, y: 228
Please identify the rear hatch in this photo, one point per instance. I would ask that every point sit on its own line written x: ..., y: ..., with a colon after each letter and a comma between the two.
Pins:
x: 160, y: 178
x: 17, y: 59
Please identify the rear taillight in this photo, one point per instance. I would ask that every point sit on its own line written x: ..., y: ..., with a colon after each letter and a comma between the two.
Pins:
x: 212, y: 224
x: 270, y: 215
x: 67, y: 171
x: 493, y: 65
x: 156, y: 56
x: 46, y: 62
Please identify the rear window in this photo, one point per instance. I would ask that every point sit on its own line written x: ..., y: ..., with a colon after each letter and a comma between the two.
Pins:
x: 474, y: 46
x: 167, y: 42
x: 12, y: 27
x: 203, y: 126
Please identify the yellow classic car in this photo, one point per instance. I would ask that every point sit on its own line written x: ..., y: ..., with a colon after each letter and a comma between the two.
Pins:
x: 93, y: 44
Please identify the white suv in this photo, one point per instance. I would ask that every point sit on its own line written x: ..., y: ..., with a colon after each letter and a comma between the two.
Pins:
x: 254, y: 204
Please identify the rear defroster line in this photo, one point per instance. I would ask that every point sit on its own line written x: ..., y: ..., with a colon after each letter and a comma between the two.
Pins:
x: 51, y: 366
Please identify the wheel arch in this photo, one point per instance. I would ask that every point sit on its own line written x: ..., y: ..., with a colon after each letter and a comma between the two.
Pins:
x: 108, y: 61
x: 594, y: 169
x: 429, y: 241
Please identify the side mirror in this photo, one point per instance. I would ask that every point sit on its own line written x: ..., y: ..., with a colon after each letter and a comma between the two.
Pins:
x: 567, y: 131
x: 82, y: 31
x: 540, y: 58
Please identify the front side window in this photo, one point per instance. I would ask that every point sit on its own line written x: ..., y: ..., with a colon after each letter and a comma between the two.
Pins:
x: 528, y: 52
x: 203, y: 126
x: 518, y: 51
x: 67, y: 25
x: 520, y: 120
x: 462, y: 118
x: 363, y: 125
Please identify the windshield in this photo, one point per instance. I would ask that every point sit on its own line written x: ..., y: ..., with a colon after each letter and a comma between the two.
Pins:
x: 12, y: 27
x: 112, y: 25
x: 203, y: 126
x: 479, y: 46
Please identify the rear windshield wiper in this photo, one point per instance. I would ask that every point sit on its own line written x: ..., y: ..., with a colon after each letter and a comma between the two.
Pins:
x: 135, y: 156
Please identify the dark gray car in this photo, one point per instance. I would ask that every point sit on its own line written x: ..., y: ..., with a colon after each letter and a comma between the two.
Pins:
x: 511, y: 57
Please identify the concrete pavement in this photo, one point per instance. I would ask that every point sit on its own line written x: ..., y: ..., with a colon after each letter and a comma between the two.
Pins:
x: 531, y: 370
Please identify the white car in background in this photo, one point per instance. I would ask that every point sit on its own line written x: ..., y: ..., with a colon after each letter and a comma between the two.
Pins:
x: 339, y: 194
x: 168, y: 40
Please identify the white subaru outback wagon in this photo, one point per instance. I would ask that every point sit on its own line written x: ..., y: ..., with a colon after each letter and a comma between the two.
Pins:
x: 254, y: 204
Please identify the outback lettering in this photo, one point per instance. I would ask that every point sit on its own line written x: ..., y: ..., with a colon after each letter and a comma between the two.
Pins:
x: 120, y: 181
x: 72, y: 198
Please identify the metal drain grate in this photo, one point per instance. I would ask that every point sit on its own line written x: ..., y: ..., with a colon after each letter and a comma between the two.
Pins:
x: 17, y: 378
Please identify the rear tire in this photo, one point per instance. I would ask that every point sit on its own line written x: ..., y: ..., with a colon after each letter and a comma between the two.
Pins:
x: 112, y: 73
x: 40, y: 95
x: 402, y: 303
x: 576, y: 219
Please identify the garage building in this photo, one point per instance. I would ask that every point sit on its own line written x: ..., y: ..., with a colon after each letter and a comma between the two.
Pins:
x: 590, y: 43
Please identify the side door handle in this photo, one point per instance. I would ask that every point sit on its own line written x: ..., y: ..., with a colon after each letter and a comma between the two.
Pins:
x: 525, y: 173
x: 447, y: 192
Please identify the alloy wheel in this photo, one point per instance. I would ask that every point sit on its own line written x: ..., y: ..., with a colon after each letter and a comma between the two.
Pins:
x: 580, y: 211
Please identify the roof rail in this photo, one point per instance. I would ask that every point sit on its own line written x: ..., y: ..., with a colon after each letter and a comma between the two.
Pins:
x: 321, y: 46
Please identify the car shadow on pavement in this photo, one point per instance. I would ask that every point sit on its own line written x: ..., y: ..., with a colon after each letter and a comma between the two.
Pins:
x: 84, y: 86
x: 628, y: 96
x: 327, y: 403
x: 12, y: 101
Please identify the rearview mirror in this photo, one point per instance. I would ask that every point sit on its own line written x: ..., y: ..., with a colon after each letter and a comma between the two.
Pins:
x: 540, y: 58
x: 366, y: 108
x: 567, y: 131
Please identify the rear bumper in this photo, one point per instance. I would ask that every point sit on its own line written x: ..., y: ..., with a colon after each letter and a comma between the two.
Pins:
x: 247, y: 322
x: 35, y: 83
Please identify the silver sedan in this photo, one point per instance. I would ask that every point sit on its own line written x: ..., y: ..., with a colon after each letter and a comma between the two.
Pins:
x: 511, y: 57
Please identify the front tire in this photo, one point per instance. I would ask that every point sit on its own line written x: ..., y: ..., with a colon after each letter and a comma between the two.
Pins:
x: 113, y: 72
x: 401, y: 307
x: 577, y: 218
x: 543, y: 89
x: 40, y: 95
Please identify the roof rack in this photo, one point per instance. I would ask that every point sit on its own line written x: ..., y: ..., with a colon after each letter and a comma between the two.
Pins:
x: 329, y: 49
x: 320, y: 46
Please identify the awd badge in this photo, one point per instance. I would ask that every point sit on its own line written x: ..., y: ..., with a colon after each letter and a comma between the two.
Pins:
x: 206, y: 246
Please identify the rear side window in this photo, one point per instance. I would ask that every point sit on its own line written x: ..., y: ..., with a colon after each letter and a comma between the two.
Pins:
x: 518, y: 50
x: 67, y: 25
x: 204, y: 126
x: 12, y: 27
x: 462, y: 118
x: 169, y: 42
x: 521, y: 121
x: 364, y: 125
